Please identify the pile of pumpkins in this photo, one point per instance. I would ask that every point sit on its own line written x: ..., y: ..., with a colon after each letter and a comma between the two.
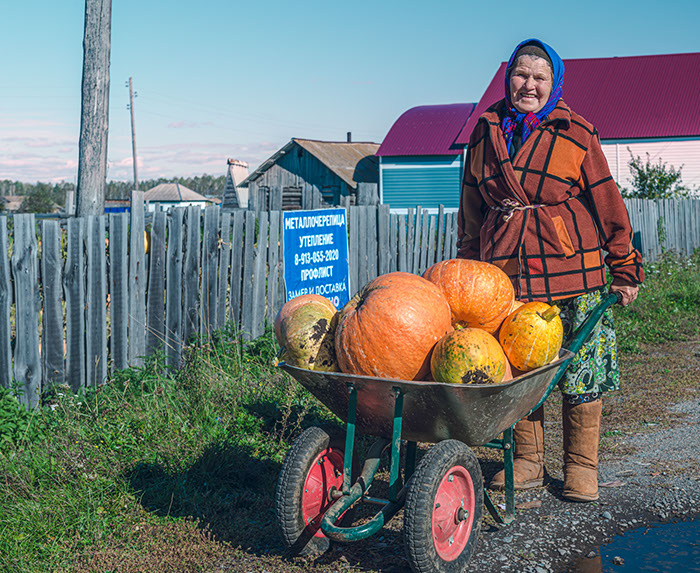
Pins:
x: 458, y: 323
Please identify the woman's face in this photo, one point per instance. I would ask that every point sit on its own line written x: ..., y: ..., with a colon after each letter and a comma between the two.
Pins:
x: 530, y: 84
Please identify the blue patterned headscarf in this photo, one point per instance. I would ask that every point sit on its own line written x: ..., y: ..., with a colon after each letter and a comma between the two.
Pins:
x: 530, y: 120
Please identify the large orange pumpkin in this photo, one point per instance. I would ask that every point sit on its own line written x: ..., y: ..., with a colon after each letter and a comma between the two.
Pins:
x: 532, y: 335
x: 468, y: 356
x: 480, y: 294
x: 305, y: 330
x: 389, y: 328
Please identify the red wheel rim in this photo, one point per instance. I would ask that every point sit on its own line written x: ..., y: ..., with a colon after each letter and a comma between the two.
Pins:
x: 325, y: 473
x: 453, y: 513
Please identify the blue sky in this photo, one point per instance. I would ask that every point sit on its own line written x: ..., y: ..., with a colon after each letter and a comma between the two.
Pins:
x: 218, y: 79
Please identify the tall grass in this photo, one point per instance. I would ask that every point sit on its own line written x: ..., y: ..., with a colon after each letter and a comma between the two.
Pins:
x: 88, y: 482
x: 159, y: 470
x: 667, y: 308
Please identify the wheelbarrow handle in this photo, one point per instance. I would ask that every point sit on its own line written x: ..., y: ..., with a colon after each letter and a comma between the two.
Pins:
x: 580, y: 337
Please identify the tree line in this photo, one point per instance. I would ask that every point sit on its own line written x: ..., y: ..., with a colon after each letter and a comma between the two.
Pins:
x: 42, y: 197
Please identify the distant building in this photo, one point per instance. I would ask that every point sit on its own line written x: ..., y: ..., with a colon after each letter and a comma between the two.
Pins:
x: 307, y: 174
x: 167, y: 195
x: 12, y: 203
x: 419, y: 162
x: 235, y: 196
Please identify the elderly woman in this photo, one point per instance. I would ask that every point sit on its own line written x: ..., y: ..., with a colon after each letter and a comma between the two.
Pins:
x: 538, y: 201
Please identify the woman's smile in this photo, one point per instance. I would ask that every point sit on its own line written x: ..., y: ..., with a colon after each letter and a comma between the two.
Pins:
x: 530, y: 84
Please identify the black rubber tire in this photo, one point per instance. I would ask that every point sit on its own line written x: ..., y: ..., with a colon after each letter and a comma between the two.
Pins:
x: 297, y: 537
x: 420, y: 503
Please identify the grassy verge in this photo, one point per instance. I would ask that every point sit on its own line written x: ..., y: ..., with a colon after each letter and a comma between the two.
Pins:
x: 175, y: 471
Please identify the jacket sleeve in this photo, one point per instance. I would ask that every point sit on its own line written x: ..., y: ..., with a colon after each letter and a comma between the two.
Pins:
x: 470, y: 215
x: 610, y: 216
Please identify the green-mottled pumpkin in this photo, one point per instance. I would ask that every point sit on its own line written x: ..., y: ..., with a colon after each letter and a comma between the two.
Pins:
x: 532, y: 335
x: 468, y: 356
x: 305, y: 330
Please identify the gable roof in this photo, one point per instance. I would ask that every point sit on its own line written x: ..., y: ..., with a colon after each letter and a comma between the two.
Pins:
x: 634, y: 97
x: 427, y: 130
x: 172, y: 192
x: 345, y: 159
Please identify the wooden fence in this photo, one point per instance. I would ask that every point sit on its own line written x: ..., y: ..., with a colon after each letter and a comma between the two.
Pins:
x: 79, y: 298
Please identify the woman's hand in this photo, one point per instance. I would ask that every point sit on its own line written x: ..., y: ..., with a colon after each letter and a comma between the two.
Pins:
x: 627, y: 291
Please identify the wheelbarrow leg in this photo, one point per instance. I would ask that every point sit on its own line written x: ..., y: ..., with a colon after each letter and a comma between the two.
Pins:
x: 349, y: 437
x: 506, y: 444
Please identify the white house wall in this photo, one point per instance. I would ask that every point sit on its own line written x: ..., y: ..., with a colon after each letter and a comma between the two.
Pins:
x: 674, y: 152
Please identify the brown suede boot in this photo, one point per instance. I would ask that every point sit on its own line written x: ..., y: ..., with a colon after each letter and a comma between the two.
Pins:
x: 528, y: 454
x: 581, y: 436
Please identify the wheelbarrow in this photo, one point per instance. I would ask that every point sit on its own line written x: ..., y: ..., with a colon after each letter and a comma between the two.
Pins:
x: 443, y: 496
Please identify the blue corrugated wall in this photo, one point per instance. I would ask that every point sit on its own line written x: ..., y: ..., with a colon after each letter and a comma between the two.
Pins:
x: 427, y: 181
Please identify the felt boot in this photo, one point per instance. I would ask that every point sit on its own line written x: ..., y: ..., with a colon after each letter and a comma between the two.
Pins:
x: 581, y: 436
x: 528, y: 454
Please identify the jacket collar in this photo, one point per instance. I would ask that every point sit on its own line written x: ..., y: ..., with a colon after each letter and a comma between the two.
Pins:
x: 561, y: 113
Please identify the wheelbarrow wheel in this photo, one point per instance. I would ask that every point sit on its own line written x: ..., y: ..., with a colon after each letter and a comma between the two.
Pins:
x: 312, y: 469
x: 442, y: 513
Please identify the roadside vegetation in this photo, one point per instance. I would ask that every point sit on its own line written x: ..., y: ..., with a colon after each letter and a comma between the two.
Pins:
x: 159, y: 470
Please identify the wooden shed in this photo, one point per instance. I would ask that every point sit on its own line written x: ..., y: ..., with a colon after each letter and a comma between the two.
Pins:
x: 308, y: 174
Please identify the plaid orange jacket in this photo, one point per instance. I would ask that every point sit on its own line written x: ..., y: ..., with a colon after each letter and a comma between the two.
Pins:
x: 546, y: 217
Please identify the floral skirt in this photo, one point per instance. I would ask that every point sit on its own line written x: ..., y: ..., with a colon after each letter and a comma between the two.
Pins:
x: 594, y: 369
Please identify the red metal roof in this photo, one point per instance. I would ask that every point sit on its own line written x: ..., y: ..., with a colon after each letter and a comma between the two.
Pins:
x: 625, y: 98
x: 427, y: 130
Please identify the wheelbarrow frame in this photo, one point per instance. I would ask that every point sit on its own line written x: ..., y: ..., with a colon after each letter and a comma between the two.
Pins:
x: 353, y: 493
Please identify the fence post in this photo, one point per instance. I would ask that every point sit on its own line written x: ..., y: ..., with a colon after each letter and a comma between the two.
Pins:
x: 5, y: 303
x: 96, y: 301
x: 137, y: 281
x: 27, y: 366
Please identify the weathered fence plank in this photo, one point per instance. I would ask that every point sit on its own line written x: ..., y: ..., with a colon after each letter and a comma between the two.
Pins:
x: 173, y: 289
x: 372, y: 241
x: 52, y: 359
x: 155, y: 310
x: 440, y: 238
x: 27, y: 364
x: 354, y: 246
x: 190, y: 275
x: 248, y: 274
x: 260, y: 276
x: 75, y: 305
x: 224, y: 263
x: 209, y: 277
x: 95, y: 302
x: 425, y: 227
x: 137, y: 281
x: 403, y: 247
x: 383, y: 240
x: 236, y: 267
x: 119, y: 288
x: 5, y: 308
x: 393, y: 242
x: 273, y: 258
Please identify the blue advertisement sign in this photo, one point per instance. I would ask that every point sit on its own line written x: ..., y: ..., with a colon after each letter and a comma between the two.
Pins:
x: 316, y: 254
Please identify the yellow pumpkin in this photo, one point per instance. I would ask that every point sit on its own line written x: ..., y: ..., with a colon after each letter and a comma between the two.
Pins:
x: 532, y: 335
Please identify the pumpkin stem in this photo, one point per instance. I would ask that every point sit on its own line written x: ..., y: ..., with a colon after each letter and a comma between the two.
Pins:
x: 551, y: 312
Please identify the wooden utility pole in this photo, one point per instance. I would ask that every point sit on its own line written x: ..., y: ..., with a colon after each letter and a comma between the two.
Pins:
x: 94, y: 119
x: 133, y: 135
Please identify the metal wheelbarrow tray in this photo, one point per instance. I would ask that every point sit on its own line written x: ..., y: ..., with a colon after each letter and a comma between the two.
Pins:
x: 443, y: 496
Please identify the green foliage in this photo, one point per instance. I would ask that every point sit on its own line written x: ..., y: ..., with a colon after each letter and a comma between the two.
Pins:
x: 667, y: 307
x: 42, y: 199
x: 654, y: 180
x: 17, y: 425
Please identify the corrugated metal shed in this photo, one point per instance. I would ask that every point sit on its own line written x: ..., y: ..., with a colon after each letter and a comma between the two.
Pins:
x: 427, y: 130
x: 625, y: 98
x: 353, y: 162
x: 171, y: 192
